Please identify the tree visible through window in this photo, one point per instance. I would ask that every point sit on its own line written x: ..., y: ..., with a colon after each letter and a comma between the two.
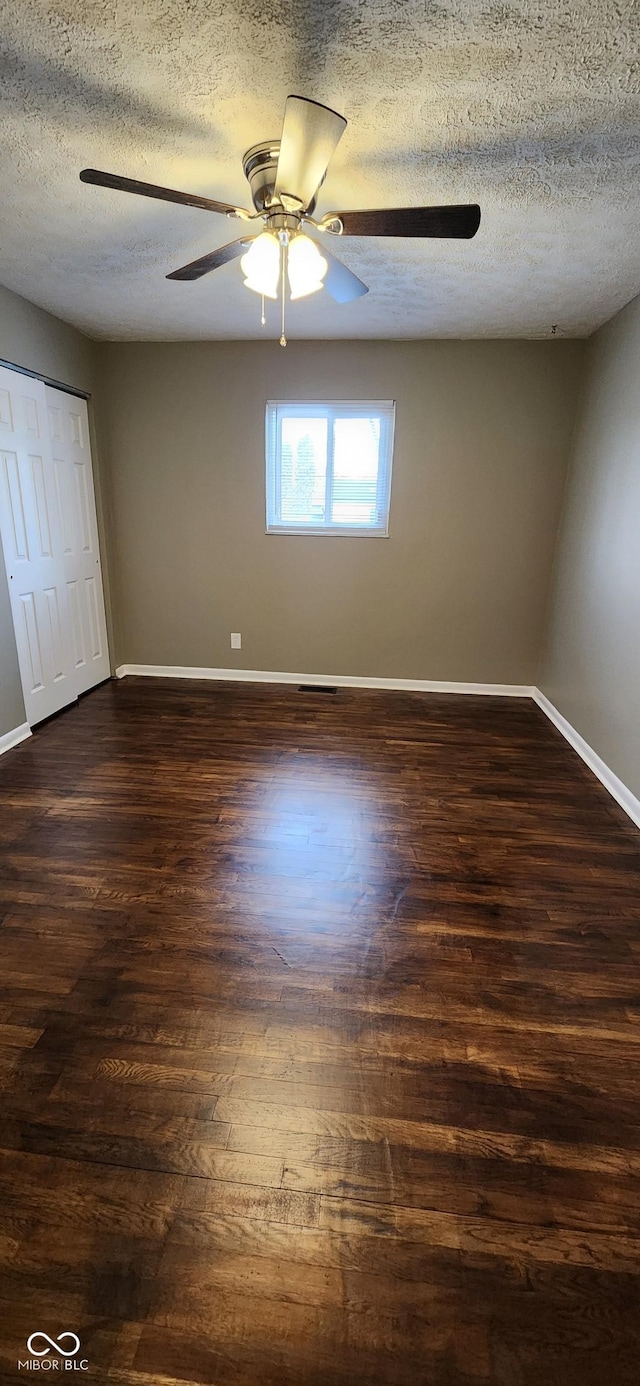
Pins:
x: 329, y: 467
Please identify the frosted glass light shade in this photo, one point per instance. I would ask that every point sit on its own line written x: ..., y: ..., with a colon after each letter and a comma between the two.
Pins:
x: 261, y: 265
x: 306, y: 266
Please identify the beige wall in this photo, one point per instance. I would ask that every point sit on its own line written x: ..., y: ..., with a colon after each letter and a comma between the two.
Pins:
x: 591, y: 665
x: 460, y: 588
x: 34, y: 339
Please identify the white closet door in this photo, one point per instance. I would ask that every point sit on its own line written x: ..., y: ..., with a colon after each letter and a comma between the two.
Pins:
x: 70, y: 446
x: 30, y: 524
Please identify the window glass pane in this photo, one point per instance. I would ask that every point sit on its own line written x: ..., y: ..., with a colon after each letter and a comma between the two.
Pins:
x: 303, y: 470
x: 328, y: 466
x: 356, y: 451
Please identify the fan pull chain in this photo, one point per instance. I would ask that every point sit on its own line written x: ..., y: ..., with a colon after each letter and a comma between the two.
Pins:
x: 283, y: 339
x: 262, y: 315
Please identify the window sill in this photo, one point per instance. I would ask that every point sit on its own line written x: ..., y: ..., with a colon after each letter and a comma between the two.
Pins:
x: 338, y: 533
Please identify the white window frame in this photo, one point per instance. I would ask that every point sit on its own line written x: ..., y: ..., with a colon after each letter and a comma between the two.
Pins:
x: 329, y: 410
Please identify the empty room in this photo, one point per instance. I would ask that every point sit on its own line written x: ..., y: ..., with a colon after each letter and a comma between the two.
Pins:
x: 320, y: 692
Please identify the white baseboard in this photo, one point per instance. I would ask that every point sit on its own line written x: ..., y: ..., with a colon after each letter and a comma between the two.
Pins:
x: 616, y: 788
x: 14, y: 737
x: 176, y: 671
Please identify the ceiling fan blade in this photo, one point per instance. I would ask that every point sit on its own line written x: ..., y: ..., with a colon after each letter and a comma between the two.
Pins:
x: 213, y: 260
x: 341, y: 283
x: 462, y: 221
x: 131, y: 185
x: 310, y: 134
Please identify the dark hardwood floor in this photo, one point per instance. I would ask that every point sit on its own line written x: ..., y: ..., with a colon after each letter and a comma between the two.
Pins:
x: 319, y: 1044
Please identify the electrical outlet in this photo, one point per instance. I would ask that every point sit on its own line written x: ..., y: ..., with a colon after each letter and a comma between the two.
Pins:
x: 236, y: 640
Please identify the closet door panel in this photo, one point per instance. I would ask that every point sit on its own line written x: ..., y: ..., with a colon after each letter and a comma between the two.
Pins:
x: 70, y: 445
x: 30, y: 523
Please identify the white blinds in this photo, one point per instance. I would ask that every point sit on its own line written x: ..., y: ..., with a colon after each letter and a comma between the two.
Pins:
x: 329, y: 466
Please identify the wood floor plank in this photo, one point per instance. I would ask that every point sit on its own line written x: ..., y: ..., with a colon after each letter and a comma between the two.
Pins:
x: 319, y: 1021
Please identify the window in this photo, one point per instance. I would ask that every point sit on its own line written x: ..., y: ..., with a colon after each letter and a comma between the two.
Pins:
x: 329, y: 467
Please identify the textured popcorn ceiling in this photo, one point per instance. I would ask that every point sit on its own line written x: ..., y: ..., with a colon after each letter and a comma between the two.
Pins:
x: 531, y: 108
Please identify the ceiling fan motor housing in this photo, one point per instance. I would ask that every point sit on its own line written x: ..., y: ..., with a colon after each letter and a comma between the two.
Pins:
x: 260, y: 164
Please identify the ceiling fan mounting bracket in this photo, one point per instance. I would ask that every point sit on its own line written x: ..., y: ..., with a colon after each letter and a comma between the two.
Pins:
x: 331, y: 223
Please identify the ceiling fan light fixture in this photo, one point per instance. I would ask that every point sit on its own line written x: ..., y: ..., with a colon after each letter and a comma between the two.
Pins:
x: 261, y: 265
x: 305, y: 265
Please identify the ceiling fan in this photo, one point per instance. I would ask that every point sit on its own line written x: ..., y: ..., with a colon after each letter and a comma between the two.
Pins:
x: 284, y: 177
